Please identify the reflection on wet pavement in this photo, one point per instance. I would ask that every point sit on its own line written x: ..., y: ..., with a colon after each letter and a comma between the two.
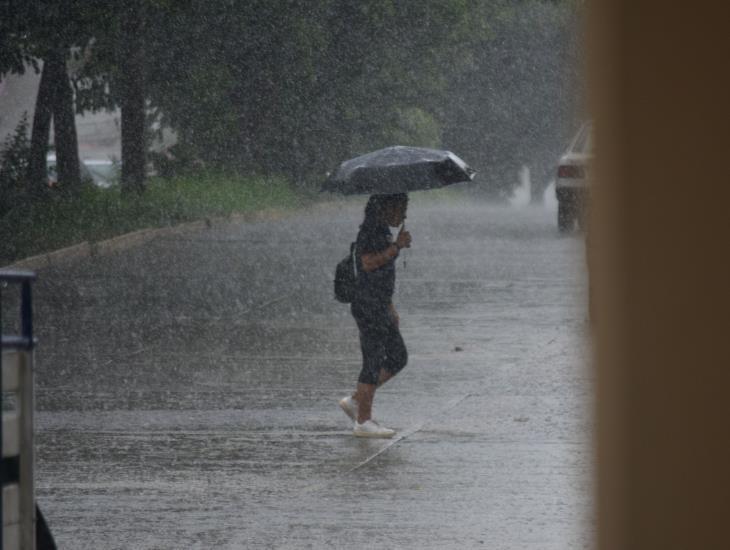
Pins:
x: 188, y: 391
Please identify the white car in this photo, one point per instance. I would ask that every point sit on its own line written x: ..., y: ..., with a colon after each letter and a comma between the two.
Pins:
x: 105, y: 172
x: 571, y: 185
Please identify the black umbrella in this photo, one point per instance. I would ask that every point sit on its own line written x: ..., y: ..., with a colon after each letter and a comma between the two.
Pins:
x: 398, y: 170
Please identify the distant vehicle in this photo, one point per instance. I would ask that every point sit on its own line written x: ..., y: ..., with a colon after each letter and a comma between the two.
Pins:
x: 53, y: 171
x: 105, y: 172
x: 101, y: 172
x: 571, y: 185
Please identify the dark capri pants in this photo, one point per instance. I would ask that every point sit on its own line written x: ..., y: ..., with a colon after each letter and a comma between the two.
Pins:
x: 380, y: 340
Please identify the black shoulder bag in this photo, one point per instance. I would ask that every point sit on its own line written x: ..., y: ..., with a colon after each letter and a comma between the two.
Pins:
x: 346, y: 278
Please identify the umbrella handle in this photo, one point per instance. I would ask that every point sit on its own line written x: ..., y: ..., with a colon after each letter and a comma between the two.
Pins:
x: 402, y: 228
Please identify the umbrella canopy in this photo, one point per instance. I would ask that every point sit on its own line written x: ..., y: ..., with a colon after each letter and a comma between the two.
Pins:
x: 398, y: 170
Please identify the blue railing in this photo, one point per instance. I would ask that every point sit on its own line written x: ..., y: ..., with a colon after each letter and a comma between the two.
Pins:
x: 24, y: 340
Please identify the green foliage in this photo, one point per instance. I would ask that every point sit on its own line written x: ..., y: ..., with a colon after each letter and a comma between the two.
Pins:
x: 514, y: 101
x: 407, y: 126
x: 13, y: 167
x: 96, y: 214
x: 29, y: 29
x: 292, y: 88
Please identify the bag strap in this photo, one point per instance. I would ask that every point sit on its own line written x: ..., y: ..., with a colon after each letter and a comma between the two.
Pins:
x: 353, y: 252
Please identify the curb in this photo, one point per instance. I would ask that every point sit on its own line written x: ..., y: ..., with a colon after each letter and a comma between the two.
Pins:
x: 88, y: 249
x: 75, y: 252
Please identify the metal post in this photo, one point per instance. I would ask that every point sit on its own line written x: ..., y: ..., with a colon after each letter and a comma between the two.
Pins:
x: 17, y: 470
x: 27, y: 463
x: 26, y: 314
x: 2, y: 516
x: 27, y: 456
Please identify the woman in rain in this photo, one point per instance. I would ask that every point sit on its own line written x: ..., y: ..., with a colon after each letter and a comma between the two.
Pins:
x: 383, y: 350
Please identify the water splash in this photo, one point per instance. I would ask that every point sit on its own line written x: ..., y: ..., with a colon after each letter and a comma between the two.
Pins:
x: 549, y: 200
x: 522, y: 194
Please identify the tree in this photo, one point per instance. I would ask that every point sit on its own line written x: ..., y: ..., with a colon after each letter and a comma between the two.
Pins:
x: 37, y: 170
x: 64, y: 125
x: 17, y: 54
x: 117, y: 67
x: 47, y: 31
x: 132, y: 97
x: 513, y: 103
x: 292, y: 88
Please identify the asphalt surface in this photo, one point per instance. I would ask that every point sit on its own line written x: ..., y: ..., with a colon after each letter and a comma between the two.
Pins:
x: 188, y: 388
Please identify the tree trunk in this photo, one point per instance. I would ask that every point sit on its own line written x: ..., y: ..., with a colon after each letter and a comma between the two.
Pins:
x: 132, y: 102
x: 64, y: 124
x: 40, y: 133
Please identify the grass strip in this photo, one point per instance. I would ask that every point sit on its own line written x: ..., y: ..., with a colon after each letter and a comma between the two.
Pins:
x: 95, y: 214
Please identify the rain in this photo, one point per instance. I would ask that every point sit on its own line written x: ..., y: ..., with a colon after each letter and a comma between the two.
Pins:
x: 170, y: 173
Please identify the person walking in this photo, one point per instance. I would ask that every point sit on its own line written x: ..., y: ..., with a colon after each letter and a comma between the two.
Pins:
x: 384, y: 353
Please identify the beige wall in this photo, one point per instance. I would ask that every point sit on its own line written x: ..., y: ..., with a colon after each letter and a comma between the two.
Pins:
x: 659, y: 258
x: 17, y: 96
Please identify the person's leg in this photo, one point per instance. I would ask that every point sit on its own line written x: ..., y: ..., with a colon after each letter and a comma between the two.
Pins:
x: 394, y: 357
x: 383, y: 377
x: 365, y: 393
x: 372, y: 344
x: 364, y: 397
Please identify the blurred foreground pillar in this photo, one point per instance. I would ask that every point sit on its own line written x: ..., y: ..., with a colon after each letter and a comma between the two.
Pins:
x: 659, y: 255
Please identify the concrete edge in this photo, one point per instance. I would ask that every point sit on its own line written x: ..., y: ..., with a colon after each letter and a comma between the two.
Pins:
x: 74, y: 252
x: 126, y: 241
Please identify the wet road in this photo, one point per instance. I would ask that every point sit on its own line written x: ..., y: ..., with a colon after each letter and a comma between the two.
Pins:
x: 188, y: 390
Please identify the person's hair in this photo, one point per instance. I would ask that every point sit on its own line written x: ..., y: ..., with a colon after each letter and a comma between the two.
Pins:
x: 378, y: 204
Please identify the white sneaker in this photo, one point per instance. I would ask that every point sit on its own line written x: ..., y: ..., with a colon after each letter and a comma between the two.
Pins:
x: 370, y: 428
x: 349, y: 405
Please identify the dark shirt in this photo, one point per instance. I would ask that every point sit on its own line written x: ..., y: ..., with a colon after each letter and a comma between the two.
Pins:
x: 378, y: 285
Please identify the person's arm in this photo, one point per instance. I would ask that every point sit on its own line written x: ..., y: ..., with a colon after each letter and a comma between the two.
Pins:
x: 394, y: 313
x: 376, y: 260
